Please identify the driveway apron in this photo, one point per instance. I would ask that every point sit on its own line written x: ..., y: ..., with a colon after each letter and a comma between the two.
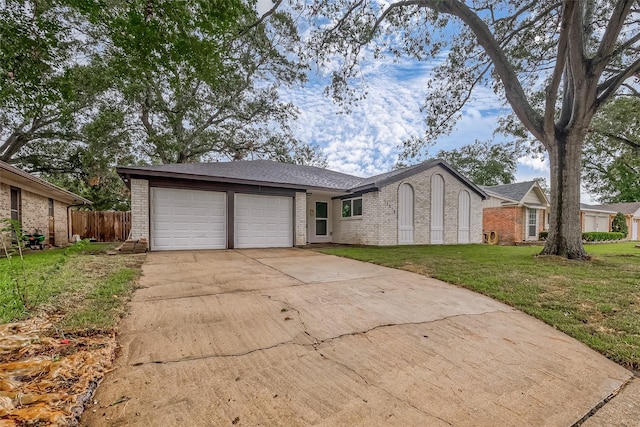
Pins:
x: 293, y: 337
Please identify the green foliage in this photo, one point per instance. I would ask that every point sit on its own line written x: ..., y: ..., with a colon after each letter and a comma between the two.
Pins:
x: 593, y: 301
x: 86, y: 86
x: 611, y: 160
x: 103, y: 301
x: 25, y: 288
x: 202, y: 78
x: 619, y: 224
x: 602, y: 236
x: 484, y: 163
x: 80, y: 282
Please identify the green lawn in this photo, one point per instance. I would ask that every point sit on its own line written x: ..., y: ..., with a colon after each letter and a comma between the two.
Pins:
x: 82, y: 286
x: 597, y: 301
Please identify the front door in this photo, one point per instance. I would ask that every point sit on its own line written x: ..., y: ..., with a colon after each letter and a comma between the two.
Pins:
x: 532, y: 224
x: 319, y: 220
x: 322, y: 220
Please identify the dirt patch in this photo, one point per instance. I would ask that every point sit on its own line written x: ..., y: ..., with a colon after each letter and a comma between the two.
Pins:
x: 47, y: 377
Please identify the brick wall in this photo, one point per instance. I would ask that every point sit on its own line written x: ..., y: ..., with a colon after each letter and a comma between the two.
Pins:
x: 363, y: 230
x: 300, y: 219
x: 139, y: 209
x: 60, y: 215
x: 379, y: 223
x: 508, y: 222
x: 5, y: 201
x: 35, y: 213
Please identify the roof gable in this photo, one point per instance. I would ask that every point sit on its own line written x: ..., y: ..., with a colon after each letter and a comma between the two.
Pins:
x: 382, y: 180
x: 518, y: 192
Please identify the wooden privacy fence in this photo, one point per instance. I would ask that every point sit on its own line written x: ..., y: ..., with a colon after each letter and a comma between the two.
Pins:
x: 101, y: 226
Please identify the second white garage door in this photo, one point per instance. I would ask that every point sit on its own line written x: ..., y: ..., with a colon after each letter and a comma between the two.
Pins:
x: 263, y: 221
x: 187, y: 219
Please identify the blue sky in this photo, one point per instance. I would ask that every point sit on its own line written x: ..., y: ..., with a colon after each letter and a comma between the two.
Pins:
x: 367, y: 140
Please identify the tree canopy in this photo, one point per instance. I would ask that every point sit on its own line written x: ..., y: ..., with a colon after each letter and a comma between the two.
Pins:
x: 611, y: 161
x: 484, y: 163
x: 555, y: 63
x: 85, y: 86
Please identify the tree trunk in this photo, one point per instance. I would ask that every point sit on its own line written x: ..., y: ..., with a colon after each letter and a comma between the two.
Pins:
x: 565, y: 229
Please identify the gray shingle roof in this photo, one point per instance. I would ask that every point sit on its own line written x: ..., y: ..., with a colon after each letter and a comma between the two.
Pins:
x: 516, y: 191
x: 626, y: 208
x: 596, y: 208
x: 258, y: 171
x: 261, y: 172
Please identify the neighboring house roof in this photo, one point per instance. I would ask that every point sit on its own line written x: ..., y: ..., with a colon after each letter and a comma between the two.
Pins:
x: 18, y: 177
x: 596, y: 208
x: 285, y: 175
x: 516, y: 192
x: 630, y: 208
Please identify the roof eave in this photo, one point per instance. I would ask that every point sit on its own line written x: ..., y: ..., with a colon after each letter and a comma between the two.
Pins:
x: 46, y: 187
x: 128, y: 173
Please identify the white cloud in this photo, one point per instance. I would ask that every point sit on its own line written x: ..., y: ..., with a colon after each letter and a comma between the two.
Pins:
x: 367, y: 140
x: 537, y: 163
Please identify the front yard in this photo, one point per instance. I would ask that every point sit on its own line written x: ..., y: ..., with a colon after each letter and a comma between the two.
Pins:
x: 596, y: 302
x: 58, y: 312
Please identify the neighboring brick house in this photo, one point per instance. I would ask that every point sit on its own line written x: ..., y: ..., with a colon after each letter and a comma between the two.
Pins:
x: 263, y: 203
x: 631, y: 211
x: 36, y: 203
x: 515, y: 212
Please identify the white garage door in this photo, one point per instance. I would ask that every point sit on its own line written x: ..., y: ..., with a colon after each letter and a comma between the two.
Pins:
x: 263, y: 221
x: 596, y: 223
x: 187, y: 219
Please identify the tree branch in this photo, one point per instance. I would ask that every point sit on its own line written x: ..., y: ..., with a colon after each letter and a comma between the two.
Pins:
x: 513, y: 88
x: 607, y: 45
x: 607, y: 88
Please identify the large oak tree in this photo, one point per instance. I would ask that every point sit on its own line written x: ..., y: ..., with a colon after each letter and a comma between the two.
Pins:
x: 556, y: 63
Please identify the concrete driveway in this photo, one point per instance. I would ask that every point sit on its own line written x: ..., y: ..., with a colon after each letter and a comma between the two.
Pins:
x: 292, y: 337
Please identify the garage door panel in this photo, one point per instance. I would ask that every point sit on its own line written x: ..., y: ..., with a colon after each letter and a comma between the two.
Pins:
x: 187, y: 219
x: 263, y: 221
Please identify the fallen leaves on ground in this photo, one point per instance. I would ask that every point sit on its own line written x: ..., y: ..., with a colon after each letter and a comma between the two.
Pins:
x: 46, y: 377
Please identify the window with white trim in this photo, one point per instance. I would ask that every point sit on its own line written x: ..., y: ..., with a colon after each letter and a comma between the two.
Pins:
x: 352, y: 208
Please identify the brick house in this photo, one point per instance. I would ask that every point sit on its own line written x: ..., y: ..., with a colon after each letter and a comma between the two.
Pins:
x: 261, y: 203
x: 515, y: 212
x: 36, y: 203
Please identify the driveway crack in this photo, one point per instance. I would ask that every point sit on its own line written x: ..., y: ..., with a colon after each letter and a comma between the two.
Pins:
x: 316, y: 342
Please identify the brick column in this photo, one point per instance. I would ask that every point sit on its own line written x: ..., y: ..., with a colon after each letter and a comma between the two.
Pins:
x: 300, y: 220
x: 139, y: 209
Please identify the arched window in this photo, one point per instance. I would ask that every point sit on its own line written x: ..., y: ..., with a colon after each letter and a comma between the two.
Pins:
x: 437, y: 209
x: 464, y: 217
x: 405, y: 214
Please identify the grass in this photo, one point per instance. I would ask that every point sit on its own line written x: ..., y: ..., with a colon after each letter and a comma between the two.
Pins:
x: 596, y: 301
x: 83, y: 286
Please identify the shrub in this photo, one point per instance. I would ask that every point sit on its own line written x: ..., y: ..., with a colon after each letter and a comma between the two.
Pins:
x: 602, y: 236
x: 543, y: 235
x: 619, y: 224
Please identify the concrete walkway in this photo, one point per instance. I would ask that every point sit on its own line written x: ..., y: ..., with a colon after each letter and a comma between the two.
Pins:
x: 292, y: 337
